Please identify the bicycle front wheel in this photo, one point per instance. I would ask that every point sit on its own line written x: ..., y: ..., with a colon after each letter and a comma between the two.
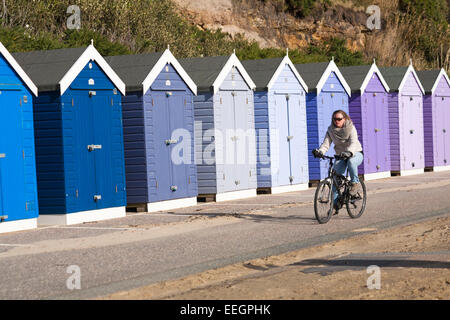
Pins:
x: 357, y: 201
x: 323, y: 201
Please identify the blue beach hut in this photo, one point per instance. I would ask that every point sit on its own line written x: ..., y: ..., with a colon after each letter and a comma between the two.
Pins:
x: 280, y: 122
x: 225, y: 128
x: 78, y: 135
x: 328, y: 92
x: 158, y: 117
x: 18, y: 190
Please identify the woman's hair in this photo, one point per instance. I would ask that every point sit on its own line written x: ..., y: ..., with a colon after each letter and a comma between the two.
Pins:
x: 346, y: 116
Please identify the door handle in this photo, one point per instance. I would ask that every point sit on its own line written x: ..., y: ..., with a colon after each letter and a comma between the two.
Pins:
x: 2, y: 155
x: 3, y: 218
x: 443, y: 130
x: 97, y: 197
x: 289, y: 138
x: 411, y: 131
x: 93, y: 147
x: 173, y: 188
x: 169, y: 142
x: 377, y: 130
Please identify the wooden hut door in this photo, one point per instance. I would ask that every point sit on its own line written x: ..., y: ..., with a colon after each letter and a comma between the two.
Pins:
x: 103, y: 119
x: 371, y: 150
x: 284, y: 147
x: 241, y: 105
x: 442, y: 117
x: 175, y: 104
x: 12, y: 154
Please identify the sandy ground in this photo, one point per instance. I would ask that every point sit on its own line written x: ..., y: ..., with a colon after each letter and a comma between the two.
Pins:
x: 412, y: 262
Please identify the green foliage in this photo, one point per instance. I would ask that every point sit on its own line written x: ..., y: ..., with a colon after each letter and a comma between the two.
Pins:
x: 430, y: 19
x: 124, y: 26
x: 80, y: 38
x: 300, y: 8
x: 436, y: 10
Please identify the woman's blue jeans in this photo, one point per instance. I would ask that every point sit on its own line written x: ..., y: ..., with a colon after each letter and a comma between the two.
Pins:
x: 352, y: 165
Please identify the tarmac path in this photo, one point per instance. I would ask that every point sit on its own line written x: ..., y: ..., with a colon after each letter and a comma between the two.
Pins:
x: 143, y: 249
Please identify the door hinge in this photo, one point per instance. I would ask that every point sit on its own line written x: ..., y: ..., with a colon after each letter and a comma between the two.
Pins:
x: 23, y: 154
x: 116, y: 188
x: 112, y: 102
x: 76, y: 193
x: 72, y: 102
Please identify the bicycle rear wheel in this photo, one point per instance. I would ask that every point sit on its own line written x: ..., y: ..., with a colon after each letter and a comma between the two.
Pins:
x: 323, y: 201
x: 357, y: 202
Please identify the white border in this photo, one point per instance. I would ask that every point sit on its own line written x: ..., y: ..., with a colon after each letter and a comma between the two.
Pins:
x: 82, y: 216
x: 377, y: 175
x: 18, y: 225
x: 441, y: 168
x: 441, y: 73
x: 405, y: 76
x: 90, y: 54
x: 289, y: 188
x: 233, y: 61
x: 235, y: 195
x: 374, y: 69
x: 171, y: 204
x: 411, y: 172
x: 286, y: 61
x: 332, y: 67
x: 10, y: 59
x: 167, y: 57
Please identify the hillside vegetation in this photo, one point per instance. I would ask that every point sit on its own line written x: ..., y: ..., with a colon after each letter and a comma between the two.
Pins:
x: 127, y: 26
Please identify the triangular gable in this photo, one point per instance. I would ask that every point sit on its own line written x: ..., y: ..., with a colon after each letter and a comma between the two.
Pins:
x: 374, y: 69
x: 284, y: 62
x: 90, y: 54
x: 442, y: 73
x: 18, y: 69
x: 233, y: 62
x: 166, y: 58
x: 405, y: 76
x: 332, y: 67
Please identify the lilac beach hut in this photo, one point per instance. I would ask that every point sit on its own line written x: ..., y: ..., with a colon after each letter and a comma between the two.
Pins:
x: 368, y: 108
x: 405, y: 120
x: 436, y: 119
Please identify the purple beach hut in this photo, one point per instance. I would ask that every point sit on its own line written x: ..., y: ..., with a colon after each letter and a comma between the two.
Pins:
x: 405, y: 104
x: 436, y: 119
x: 368, y: 108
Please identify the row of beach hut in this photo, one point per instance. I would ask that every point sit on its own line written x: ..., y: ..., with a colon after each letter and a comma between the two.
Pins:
x: 84, y: 136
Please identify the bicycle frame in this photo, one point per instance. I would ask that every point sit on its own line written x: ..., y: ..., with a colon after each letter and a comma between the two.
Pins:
x: 333, y: 175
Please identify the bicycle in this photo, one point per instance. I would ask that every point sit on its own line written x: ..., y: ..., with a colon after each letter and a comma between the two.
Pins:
x: 323, y: 198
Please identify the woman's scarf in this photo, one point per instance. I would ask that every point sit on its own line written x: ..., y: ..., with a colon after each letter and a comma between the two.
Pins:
x: 341, y: 133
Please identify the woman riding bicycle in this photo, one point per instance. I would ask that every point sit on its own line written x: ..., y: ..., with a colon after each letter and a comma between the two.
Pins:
x: 343, y: 134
